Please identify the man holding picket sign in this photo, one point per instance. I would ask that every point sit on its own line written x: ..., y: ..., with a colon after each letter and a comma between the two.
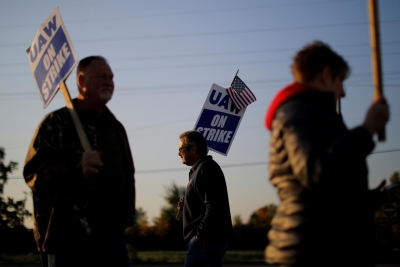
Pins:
x: 83, y: 198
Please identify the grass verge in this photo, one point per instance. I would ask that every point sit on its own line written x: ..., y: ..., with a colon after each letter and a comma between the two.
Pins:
x: 232, y: 256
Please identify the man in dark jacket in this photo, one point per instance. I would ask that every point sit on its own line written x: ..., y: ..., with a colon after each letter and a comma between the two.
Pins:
x: 83, y: 200
x: 325, y: 217
x: 207, y: 224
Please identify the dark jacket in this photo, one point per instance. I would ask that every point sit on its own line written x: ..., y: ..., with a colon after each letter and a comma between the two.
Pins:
x: 319, y: 169
x: 71, y: 211
x: 206, y: 211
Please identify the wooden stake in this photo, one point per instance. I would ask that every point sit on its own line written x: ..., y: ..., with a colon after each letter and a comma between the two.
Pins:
x: 78, y: 125
x: 376, y: 55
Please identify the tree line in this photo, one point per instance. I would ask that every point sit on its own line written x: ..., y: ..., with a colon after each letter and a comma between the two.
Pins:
x: 164, y: 233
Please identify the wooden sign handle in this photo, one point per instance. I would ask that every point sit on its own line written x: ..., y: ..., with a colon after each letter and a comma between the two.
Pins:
x: 78, y: 125
x: 376, y: 55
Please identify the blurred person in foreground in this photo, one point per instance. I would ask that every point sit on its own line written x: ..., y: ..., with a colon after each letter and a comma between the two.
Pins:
x: 206, y: 216
x: 83, y: 201
x: 326, y: 211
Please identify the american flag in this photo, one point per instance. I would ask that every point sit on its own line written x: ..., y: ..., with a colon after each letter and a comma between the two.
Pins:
x: 240, y: 94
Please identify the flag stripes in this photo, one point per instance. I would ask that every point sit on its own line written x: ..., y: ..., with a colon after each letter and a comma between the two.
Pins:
x: 240, y: 94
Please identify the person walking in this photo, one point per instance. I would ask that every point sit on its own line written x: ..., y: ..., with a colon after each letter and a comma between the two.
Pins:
x: 206, y: 216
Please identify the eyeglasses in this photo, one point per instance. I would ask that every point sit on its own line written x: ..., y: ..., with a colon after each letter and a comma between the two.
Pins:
x: 180, y: 149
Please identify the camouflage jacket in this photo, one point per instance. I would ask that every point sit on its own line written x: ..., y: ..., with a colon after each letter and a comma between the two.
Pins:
x: 69, y: 209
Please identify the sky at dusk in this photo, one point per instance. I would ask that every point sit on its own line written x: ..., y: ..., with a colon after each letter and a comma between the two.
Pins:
x: 166, y: 55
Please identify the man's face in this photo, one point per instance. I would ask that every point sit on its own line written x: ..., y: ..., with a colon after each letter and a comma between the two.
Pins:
x: 187, y: 153
x: 98, y: 84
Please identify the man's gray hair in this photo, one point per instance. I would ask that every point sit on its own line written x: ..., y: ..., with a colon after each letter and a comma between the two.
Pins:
x: 195, y: 138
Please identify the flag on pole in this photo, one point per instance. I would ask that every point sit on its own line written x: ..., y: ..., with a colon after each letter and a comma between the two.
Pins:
x: 240, y: 94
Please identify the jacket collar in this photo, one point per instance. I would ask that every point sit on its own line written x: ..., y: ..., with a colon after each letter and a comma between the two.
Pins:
x: 282, y: 96
x: 202, y: 159
x: 90, y: 114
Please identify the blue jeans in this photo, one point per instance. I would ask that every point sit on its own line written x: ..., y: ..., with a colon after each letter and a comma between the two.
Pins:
x: 208, y: 255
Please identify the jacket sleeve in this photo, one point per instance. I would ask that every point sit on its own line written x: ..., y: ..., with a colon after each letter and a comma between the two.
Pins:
x: 318, y: 145
x: 130, y: 183
x: 45, y: 166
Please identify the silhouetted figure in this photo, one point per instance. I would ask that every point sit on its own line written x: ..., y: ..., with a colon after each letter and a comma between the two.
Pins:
x: 206, y: 216
x: 83, y: 201
x: 325, y: 215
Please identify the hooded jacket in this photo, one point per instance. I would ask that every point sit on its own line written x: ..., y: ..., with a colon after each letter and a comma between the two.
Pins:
x: 319, y: 169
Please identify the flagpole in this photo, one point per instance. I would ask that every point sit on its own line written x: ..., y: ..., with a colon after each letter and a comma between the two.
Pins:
x: 235, y: 76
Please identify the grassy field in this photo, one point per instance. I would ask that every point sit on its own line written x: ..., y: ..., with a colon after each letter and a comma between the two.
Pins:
x: 179, y: 256
x: 153, y: 257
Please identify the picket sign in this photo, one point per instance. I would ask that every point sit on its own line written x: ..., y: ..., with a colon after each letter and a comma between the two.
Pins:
x: 51, y: 59
x: 219, y: 120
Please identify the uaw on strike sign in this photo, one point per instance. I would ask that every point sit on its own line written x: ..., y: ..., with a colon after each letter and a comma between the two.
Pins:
x: 219, y: 120
x: 51, y: 56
